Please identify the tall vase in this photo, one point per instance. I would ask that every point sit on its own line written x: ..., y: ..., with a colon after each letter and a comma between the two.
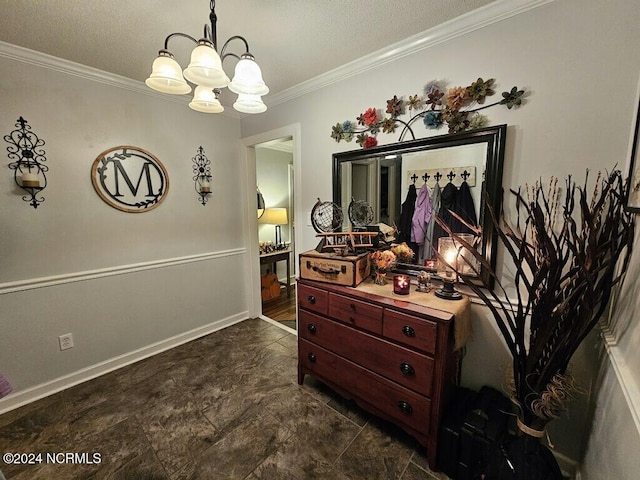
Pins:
x: 522, y: 457
x: 380, y: 276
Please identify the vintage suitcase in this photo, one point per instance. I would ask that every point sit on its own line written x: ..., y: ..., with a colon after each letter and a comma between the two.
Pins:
x: 349, y: 271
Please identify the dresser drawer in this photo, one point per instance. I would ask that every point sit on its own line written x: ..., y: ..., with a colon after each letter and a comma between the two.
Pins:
x: 356, y: 313
x: 400, y: 403
x: 406, y: 367
x: 312, y: 298
x: 412, y: 331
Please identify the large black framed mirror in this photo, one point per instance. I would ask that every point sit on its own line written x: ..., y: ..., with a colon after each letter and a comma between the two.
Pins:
x: 383, y: 176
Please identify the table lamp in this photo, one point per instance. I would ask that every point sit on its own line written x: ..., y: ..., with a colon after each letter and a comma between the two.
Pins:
x: 277, y: 217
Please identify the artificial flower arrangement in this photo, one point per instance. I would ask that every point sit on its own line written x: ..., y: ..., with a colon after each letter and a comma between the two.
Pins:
x: 403, y: 253
x: 383, y: 261
x: 456, y: 107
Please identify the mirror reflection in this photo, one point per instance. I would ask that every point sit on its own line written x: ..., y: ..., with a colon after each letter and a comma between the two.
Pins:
x: 407, y: 184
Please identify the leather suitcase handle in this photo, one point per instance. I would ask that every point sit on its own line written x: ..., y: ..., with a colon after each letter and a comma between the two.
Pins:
x: 327, y: 271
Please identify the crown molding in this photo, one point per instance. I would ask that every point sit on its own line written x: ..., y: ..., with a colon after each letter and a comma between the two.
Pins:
x: 469, y: 22
x: 456, y: 27
x: 40, y: 59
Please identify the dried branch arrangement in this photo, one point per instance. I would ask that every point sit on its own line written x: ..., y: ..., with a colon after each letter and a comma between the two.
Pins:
x: 565, y: 255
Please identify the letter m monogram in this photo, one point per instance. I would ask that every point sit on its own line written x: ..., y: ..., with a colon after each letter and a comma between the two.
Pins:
x: 144, y: 172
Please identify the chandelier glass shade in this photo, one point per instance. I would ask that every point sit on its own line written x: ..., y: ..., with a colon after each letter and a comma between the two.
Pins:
x: 166, y: 75
x: 248, y: 78
x: 247, y: 103
x: 205, y: 100
x: 206, y: 72
x: 205, y: 68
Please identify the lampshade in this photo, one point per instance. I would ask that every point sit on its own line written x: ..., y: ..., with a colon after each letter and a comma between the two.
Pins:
x: 274, y: 216
x: 248, y: 78
x: 205, y: 100
x: 247, y: 103
x: 166, y: 75
x: 205, y: 68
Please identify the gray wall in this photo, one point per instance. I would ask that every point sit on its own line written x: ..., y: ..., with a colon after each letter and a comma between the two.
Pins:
x: 580, y: 63
x: 125, y: 285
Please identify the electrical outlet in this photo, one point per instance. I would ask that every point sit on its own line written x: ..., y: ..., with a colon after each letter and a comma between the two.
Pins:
x: 66, y: 341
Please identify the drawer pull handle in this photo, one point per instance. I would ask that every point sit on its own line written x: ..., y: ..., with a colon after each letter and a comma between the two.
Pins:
x: 405, y: 407
x: 407, y: 370
x: 352, y: 320
x: 353, y: 306
x: 312, y: 328
x: 311, y: 299
x: 408, y: 331
x: 312, y: 357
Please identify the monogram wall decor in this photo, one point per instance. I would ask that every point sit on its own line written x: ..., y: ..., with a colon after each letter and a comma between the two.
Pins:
x: 130, y: 179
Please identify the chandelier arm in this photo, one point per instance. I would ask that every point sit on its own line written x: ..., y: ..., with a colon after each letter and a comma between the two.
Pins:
x: 235, y: 37
x: 177, y: 34
x: 230, y: 54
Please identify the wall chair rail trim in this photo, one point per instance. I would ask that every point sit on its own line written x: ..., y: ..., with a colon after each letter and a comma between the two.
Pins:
x: 33, y: 283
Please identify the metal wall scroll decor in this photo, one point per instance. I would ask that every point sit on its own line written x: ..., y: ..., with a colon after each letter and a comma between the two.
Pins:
x: 130, y: 179
x: 202, y: 176
x: 28, y: 162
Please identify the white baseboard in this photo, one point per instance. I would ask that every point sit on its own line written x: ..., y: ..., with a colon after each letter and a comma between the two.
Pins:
x: 23, y: 397
x: 278, y: 324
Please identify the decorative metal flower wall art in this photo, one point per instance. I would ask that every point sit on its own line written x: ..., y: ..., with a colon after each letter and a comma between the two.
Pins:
x: 458, y: 108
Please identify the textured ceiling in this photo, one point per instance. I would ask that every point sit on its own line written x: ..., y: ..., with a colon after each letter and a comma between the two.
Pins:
x: 292, y: 40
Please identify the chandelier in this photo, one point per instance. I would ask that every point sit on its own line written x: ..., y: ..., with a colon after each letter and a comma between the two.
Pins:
x: 206, y: 73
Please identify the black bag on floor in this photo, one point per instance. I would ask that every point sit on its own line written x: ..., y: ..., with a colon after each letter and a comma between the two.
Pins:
x: 462, y: 401
x: 483, y: 428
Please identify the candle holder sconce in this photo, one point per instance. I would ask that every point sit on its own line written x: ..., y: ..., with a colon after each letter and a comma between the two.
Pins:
x: 29, y: 171
x: 202, y: 176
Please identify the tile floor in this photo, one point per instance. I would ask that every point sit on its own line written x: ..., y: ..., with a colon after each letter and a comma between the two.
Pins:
x: 226, y: 406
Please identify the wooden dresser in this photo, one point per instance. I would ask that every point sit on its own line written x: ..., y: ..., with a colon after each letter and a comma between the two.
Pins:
x: 394, y: 357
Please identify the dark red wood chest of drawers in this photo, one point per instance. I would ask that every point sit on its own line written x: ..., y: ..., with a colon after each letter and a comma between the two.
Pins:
x: 394, y: 358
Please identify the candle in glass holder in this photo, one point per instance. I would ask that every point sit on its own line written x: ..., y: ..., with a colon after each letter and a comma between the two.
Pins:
x: 30, y: 179
x: 204, y: 185
x: 401, y: 284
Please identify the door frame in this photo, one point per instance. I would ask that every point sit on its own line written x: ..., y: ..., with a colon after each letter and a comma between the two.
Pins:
x: 251, y: 220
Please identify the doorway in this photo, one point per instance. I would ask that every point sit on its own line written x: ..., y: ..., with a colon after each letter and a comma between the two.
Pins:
x: 276, y: 229
x: 272, y: 164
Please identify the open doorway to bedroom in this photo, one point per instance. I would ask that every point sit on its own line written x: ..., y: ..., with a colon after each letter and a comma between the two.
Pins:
x: 276, y: 230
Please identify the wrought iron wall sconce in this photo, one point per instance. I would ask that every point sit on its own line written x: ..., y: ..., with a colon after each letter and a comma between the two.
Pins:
x: 28, y: 167
x: 202, y: 176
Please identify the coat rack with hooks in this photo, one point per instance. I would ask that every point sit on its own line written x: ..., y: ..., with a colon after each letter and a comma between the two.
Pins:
x: 455, y: 175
